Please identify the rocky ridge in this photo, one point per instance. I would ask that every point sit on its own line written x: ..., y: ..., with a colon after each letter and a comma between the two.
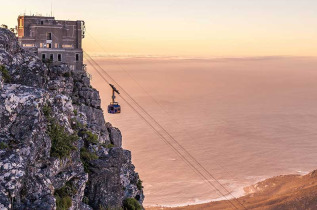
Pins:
x: 56, y: 150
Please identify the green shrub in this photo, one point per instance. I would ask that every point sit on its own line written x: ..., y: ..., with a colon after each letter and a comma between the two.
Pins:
x: 76, y: 125
x: 47, y: 110
x: 63, y: 196
x: 85, y: 200
x: 3, y: 145
x: 86, y: 157
x: 67, y: 74
x: 5, y: 74
x: 89, y: 137
x: 75, y: 112
x: 63, y: 203
x: 62, y: 143
x: 131, y: 204
x: 109, y: 146
x: 139, y: 184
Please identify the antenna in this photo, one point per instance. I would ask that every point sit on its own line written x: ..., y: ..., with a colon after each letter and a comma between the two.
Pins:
x: 51, y: 8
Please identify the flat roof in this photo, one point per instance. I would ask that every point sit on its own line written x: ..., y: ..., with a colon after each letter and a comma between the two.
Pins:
x: 37, y: 16
x: 45, y: 17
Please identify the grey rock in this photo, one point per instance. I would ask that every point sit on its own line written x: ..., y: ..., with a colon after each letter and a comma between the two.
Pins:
x: 111, y: 174
x: 29, y: 174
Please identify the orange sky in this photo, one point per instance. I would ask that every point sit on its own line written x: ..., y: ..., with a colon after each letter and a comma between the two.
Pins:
x: 197, y: 28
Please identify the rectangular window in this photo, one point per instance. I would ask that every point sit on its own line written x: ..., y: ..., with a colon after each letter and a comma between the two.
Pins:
x: 59, y: 57
x: 67, y: 46
x: 21, y: 23
x: 49, y: 45
x: 77, y: 57
x: 48, y: 36
x: 28, y: 45
x: 41, y: 45
x: 56, y: 45
x: 51, y: 57
x: 42, y: 22
x: 43, y: 56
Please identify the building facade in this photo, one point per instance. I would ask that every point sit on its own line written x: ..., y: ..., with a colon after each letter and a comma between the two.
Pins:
x: 57, y: 40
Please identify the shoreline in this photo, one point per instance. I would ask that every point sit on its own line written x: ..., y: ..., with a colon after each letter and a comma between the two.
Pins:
x: 248, y: 190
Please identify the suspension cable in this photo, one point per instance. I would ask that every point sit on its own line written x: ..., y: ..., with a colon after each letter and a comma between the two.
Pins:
x: 170, y: 136
x: 155, y: 101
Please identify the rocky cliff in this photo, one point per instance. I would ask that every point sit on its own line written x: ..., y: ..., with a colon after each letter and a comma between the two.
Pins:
x: 56, y: 150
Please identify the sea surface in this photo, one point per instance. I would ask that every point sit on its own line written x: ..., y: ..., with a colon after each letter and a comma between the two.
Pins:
x: 243, y: 119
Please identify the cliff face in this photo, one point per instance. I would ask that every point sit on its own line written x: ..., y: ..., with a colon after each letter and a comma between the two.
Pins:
x: 56, y: 150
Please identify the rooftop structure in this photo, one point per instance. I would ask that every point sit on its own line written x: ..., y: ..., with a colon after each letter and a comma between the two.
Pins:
x: 56, y: 40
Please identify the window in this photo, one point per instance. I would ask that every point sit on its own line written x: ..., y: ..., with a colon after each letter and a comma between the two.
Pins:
x: 77, y: 57
x: 28, y: 45
x: 42, y: 22
x: 49, y: 45
x: 49, y: 36
x: 67, y: 46
x: 43, y: 56
x: 51, y: 57
x: 20, y: 22
x: 56, y: 45
x: 41, y: 45
x: 59, y: 57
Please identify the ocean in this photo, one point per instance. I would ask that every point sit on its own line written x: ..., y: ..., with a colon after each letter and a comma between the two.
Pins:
x: 243, y: 119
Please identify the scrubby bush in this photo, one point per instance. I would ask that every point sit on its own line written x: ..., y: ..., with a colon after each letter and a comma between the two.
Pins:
x: 131, y: 204
x: 5, y: 74
x: 86, y: 157
x: 76, y: 125
x: 85, y: 200
x: 66, y: 74
x: 109, y: 146
x: 3, y: 145
x: 47, y: 110
x: 63, y: 196
x: 89, y: 137
x: 63, y: 203
x: 62, y: 142
x: 139, y: 184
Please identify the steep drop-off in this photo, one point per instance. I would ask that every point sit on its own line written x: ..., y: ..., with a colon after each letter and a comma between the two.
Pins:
x: 56, y: 150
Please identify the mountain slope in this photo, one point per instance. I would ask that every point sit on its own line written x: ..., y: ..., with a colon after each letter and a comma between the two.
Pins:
x: 56, y: 150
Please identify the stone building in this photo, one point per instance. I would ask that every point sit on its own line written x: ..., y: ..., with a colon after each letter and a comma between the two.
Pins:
x: 57, y: 40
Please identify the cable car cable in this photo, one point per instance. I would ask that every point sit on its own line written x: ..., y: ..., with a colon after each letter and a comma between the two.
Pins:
x: 162, y: 109
x: 193, y: 159
x: 167, y: 142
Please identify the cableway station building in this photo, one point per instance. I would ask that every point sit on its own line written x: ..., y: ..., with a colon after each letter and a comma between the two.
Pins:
x: 60, y: 41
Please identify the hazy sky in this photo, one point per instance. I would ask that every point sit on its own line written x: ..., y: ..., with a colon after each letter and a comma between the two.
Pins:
x: 186, y: 27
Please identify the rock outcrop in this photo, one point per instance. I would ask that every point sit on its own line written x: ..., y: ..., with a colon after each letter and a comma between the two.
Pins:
x: 56, y: 150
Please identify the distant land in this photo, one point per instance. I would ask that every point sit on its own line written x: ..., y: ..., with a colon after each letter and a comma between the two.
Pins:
x: 280, y: 192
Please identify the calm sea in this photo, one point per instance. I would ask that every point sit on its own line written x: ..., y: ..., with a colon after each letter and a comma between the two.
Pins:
x: 244, y: 120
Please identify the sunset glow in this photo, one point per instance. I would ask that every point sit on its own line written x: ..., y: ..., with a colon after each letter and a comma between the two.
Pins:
x: 186, y: 28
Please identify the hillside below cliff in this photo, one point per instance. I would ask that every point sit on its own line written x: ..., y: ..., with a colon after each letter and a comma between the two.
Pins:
x: 56, y: 149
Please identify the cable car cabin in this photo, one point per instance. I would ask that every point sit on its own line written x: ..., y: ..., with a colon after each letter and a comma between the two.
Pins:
x: 114, y: 108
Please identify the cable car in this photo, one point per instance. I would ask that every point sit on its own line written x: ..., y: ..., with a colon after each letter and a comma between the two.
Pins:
x: 114, y: 107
